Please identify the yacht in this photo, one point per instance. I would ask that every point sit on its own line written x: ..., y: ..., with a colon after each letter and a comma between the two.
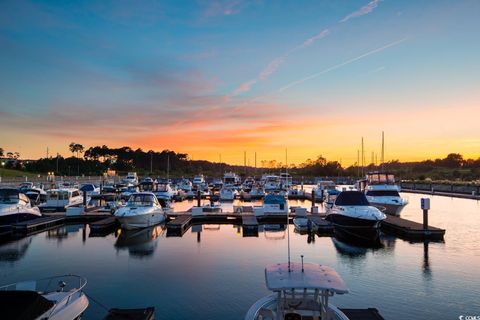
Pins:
x: 352, y: 214
x: 271, y: 183
x: 198, y: 182
x: 227, y: 193
x: 382, y: 192
x: 89, y: 188
x: 54, y: 298
x: 321, y: 188
x: 248, y: 184
x: 131, y: 178
x: 257, y: 192
x: 231, y: 179
x: 165, y: 191
x: 60, y: 199
x: 15, y: 206
x: 185, y: 185
x: 273, y: 204
x: 142, y: 210
x: 36, y: 195
x: 299, y: 291
x: 217, y: 184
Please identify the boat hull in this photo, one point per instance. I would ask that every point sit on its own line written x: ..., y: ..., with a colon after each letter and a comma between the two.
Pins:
x: 10, y: 219
x: 141, y: 221
x: 355, y: 228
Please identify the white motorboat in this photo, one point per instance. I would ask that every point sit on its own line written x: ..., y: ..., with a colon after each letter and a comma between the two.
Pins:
x: 36, y: 195
x: 89, y: 189
x: 217, y: 184
x: 15, y: 206
x: 271, y: 183
x: 131, y: 178
x: 54, y: 298
x: 165, y: 191
x: 352, y: 214
x: 299, y: 291
x: 321, y: 188
x: 273, y: 204
x: 383, y: 193
x: 227, y: 193
x: 231, y: 179
x: 294, y: 192
x: 248, y: 184
x: 185, y: 185
x: 142, y: 210
x: 257, y: 192
x: 60, y: 199
x: 198, y: 182
x: 286, y: 180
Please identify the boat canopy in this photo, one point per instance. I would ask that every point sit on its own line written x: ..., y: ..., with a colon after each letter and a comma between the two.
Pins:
x: 274, y: 199
x: 314, y: 276
x: 351, y: 198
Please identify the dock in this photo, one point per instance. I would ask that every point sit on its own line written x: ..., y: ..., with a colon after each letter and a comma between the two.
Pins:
x: 249, y: 225
x: 362, y: 314
x: 324, y: 226
x: 36, y: 224
x: 179, y: 225
x: 411, y: 230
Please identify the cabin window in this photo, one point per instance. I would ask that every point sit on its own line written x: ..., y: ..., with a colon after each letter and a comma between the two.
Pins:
x: 75, y: 194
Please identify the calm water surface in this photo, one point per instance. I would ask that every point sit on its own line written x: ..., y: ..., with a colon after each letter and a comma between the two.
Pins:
x: 213, y: 272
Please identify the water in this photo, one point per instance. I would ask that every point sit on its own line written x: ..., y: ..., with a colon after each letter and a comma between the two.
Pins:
x: 218, y: 274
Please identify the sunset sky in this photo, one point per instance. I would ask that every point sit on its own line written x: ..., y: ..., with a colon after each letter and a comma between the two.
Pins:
x: 224, y: 77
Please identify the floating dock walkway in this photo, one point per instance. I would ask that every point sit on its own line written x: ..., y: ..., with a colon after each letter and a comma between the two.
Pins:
x: 411, y: 230
x: 36, y: 224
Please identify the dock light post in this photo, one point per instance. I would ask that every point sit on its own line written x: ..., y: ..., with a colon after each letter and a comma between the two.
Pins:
x: 198, y: 198
x: 425, y: 205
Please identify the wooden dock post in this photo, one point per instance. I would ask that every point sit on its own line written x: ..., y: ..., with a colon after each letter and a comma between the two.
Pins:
x: 199, y: 199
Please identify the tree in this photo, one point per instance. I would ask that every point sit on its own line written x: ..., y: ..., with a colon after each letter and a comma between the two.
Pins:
x: 1, y: 152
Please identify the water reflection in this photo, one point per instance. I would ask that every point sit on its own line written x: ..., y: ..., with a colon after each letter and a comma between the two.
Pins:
x: 140, y: 243
x: 427, y: 272
x: 63, y: 232
x: 15, y: 250
x: 274, y: 231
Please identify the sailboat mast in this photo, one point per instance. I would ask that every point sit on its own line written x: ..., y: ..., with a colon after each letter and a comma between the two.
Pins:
x: 383, y: 150
x: 288, y: 216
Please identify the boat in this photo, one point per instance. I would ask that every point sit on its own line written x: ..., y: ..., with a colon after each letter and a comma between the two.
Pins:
x: 142, y: 210
x: 231, y: 179
x: 248, y: 184
x: 257, y: 192
x: 270, y: 183
x: 383, y: 193
x: 165, y: 191
x: 36, y: 195
x: 185, y: 185
x: 321, y: 188
x: 60, y: 199
x: 294, y: 192
x: 273, y: 204
x: 15, y: 207
x: 227, y: 193
x: 299, y: 291
x: 89, y: 189
x: 198, y: 182
x: 352, y: 214
x: 53, y: 298
x: 131, y: 178
x: 217, y: 184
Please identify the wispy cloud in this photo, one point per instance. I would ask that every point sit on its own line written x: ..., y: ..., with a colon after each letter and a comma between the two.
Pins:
x: 223, y: 8
x: 337, y: 66
x: 362, y: 11
x: 277, y: 62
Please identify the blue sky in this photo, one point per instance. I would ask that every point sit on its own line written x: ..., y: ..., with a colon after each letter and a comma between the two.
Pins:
x: 210, y: 77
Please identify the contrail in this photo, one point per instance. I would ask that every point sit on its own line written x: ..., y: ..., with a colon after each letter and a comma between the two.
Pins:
x: 294, y: 83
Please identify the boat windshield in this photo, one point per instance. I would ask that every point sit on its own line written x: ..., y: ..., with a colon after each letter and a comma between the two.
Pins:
x: 144, y: 200
x: 383, y: 193
x: 9, y: 196
x: 351, y: 198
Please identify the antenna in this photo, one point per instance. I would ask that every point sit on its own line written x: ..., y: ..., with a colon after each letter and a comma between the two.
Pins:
x: 383, y: 150
x: 288, y: 216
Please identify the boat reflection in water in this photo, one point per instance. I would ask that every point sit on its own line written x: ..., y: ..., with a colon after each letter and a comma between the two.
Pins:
x: 274, y: 231
x: 353, y: 250
x: 14, y: 250
x: 140, y: 243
